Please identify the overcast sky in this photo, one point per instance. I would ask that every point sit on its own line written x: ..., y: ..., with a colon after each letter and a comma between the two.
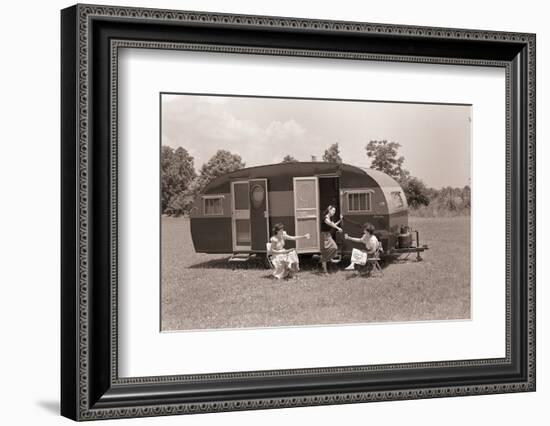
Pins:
x: 435, y: 139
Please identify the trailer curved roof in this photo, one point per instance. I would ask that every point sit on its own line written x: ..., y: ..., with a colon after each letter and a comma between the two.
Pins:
x: 270, y: 171
x: 274, y: 172
x: 306, y: 168
x: 395, y: 196
x: 380, y: 177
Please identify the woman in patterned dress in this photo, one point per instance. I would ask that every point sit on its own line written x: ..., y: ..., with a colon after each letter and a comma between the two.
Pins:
x: 284, y: 260
x: 329, y: 249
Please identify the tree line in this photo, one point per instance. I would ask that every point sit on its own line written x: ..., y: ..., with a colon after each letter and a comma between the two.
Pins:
x: 181, y: 183
x: 423, y: 201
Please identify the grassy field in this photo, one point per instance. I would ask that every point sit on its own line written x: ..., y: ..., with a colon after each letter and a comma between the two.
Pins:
x: 201, y: 291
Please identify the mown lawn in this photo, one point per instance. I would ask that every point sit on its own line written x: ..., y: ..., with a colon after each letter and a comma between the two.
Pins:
x: 201, y: 291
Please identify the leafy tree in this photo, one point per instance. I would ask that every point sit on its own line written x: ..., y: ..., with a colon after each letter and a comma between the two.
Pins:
x: 433, y: 193
x: 179, y: 204
x: 332, y: 154
x: 221, y: 163
x: 177, y: 172
x: 416, y: 192
x: 451, y: 199
x: 384, y: 157
x: 289, y: 159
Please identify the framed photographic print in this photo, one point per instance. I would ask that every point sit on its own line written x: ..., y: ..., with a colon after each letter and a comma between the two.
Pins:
x: 263, y: 212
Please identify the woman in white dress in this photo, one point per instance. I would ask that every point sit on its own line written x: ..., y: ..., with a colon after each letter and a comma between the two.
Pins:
x: 368, y: 239
x: 284, y: 260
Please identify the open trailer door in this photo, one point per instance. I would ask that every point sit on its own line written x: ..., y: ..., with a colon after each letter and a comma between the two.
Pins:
x: 240, y: 216
x: 306, y: 213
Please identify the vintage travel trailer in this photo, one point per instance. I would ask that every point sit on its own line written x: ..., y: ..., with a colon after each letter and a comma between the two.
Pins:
x: 236, y: 212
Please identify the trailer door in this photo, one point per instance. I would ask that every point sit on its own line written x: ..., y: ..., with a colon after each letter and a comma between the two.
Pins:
x: 259, y: 216
x: 306, y: 213
x: 240, y: 216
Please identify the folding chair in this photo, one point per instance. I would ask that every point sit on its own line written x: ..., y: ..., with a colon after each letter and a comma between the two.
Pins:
x: 372, y: 264
x: 269, y: 256
x: 373, y: 261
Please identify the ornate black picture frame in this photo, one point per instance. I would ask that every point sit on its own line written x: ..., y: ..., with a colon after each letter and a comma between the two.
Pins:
x: 90, y: 385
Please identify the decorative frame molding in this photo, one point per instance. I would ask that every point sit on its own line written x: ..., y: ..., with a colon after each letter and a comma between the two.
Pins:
x: 91, y: 388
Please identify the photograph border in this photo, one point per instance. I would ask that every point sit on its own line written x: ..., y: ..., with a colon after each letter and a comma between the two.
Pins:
x: 91, y: 37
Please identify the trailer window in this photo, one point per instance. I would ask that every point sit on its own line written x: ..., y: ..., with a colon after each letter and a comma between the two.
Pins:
x: 359, y: 201
x: 397, y: 199
x: 213, y: 206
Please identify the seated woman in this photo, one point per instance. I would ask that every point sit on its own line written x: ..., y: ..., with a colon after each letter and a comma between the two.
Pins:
x: 284, y: 260
x: 368, y: 238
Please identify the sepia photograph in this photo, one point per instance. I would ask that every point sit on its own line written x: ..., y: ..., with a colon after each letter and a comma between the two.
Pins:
x: 279, y: 211
x: 266, y: 209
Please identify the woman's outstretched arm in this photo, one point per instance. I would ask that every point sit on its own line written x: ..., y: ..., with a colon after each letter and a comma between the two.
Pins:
x: 294, y: 238
x: 332, y: 224
x: 356, y: 240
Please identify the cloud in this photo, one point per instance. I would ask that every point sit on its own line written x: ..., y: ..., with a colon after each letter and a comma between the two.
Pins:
x: 435, y: 139
x: 203, y: 127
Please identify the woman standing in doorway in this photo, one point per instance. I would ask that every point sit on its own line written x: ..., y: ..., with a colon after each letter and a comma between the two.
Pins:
x: 329, y: 249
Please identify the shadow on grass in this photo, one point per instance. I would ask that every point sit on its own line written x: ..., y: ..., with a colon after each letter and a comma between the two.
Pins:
x: 222, y: 263
x: 254, y: 263
x: 311, y: 264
